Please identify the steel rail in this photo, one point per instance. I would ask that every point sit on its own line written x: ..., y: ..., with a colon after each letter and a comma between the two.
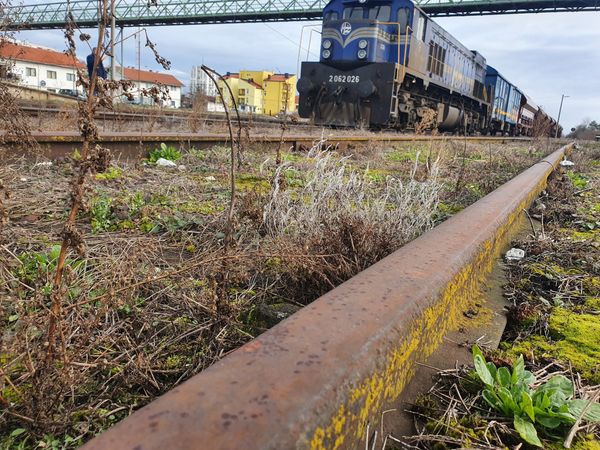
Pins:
x: 323, y: 377
x: 135, y: 145
x: 186, y: 138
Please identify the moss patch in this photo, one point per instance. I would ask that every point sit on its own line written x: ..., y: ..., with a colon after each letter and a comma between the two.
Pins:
x: 575, y: 339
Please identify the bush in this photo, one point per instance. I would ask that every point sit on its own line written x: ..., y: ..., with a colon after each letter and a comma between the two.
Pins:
x: 341, y: 214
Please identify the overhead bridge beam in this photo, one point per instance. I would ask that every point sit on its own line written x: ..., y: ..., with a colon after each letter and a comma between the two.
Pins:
x: 180, y: 12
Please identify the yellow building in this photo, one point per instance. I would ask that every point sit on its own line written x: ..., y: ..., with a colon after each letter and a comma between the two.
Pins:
x: 279, y: 94
x: 262, y: 92
x: 248, y: 95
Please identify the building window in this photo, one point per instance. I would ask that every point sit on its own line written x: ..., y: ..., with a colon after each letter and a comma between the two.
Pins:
x: 51, y: 74
x: 30, y: 72
x: 70, y: 77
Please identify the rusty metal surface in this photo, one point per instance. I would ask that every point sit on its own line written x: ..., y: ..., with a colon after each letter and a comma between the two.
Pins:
x: 284, y: 389
x: 131, y: 145
x: 71, y: 136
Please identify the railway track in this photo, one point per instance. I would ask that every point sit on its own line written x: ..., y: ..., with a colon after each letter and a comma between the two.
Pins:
x: 162, y: 116
x: 133, y: 145
x: 324, y: 377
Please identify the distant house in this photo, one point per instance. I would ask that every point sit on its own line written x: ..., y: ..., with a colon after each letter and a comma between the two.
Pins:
x: 146, y: 79
x: 39, y: 67
x: 261, y: 92
x: 247, y: 94
x: 280, y: 93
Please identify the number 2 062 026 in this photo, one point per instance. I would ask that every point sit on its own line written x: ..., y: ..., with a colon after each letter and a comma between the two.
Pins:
x: 344, y: 78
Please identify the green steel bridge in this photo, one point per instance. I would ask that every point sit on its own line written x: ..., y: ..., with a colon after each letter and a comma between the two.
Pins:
x: 179, y: 12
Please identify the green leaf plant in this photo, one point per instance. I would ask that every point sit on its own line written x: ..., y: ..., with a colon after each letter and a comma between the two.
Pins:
x: 541, y: 409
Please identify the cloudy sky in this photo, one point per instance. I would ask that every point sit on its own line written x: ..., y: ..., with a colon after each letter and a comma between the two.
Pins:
x: 546, y: 54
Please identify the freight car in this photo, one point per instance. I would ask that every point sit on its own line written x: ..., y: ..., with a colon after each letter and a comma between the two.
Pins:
x: 386, y: 64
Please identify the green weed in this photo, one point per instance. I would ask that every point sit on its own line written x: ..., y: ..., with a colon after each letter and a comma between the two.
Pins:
x: 101, y: 213
x: 579, y: 181
x: 548, y: 406
x: 112, y: 173
x: 164, y: 151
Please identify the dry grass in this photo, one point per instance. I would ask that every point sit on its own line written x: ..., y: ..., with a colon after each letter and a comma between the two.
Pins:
x: 157, y: 296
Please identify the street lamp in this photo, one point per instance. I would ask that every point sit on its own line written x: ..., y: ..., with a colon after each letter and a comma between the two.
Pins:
x: 559, y: 111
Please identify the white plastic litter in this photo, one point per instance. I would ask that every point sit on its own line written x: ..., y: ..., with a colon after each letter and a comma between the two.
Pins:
x: 165, y: 163
x: 567, y: 163
x: 43, y: 164
x: 210, y: 178
x: 515, y: 254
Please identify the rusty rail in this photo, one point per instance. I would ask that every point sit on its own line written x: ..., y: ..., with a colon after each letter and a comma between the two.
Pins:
x: 322, y: 377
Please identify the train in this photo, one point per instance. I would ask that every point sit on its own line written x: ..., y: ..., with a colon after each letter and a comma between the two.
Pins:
x: 386, y: 64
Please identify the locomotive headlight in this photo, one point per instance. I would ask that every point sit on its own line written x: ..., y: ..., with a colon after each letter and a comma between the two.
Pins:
x: 326, y: 54
x: 362, y: 43
x: 326, y: 44
x: 362, y: 54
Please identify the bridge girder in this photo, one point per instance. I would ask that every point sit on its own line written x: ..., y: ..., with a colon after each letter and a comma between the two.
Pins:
x: 181, y: 12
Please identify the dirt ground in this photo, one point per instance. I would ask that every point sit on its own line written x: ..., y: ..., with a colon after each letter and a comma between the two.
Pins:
x: 553, y: 324
x: 170, y: 276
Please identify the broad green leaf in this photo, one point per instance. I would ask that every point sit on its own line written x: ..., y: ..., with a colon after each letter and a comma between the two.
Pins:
x: 477, y: 351
x: 548, y: 422
x: 503, y: 377
x: 17, y: 431
x: 518, y: 369
x: 483, y: 371
x: 545, y: 400
x: 492, y: 368
x: 527, y: 378
x: 527, y: 431
x: 559, y: 383
x: 509, y: 403
x: 492, y: 399
x: 592, y: 414
x: 54, y: 252
x: 557, y: 398
x: 527, y: 406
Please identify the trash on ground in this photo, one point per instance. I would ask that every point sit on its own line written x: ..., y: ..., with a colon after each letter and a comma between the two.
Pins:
x: 165, y: 163
x: 515, y: 254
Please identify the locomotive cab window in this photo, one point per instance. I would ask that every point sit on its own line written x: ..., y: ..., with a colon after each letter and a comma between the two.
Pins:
x: 330, y: 15
x: 421, y: 28
x: 403, y: 16
x: 381, y: 13
x: 355, y: 12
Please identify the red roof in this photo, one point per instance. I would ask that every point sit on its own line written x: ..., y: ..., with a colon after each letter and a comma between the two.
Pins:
x: 18, y: 52
x: 237, y: 75
x: 279, y: 77
x: 256, y: 85
x: 149, y: 76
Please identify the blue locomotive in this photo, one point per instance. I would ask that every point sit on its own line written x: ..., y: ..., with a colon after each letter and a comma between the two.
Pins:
x: 386, y: 64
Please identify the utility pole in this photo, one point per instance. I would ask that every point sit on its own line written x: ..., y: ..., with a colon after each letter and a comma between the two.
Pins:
x: 559, y: 111
x: 113, y: 59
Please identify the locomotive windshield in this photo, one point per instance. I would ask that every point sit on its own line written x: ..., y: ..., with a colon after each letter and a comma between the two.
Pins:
x: 354, y: 12
x: 330, y: 15
x: 381, y: 13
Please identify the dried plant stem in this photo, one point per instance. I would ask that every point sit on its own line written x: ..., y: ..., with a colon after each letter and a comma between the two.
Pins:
x: 210, y: 72
x: 89, y: 134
